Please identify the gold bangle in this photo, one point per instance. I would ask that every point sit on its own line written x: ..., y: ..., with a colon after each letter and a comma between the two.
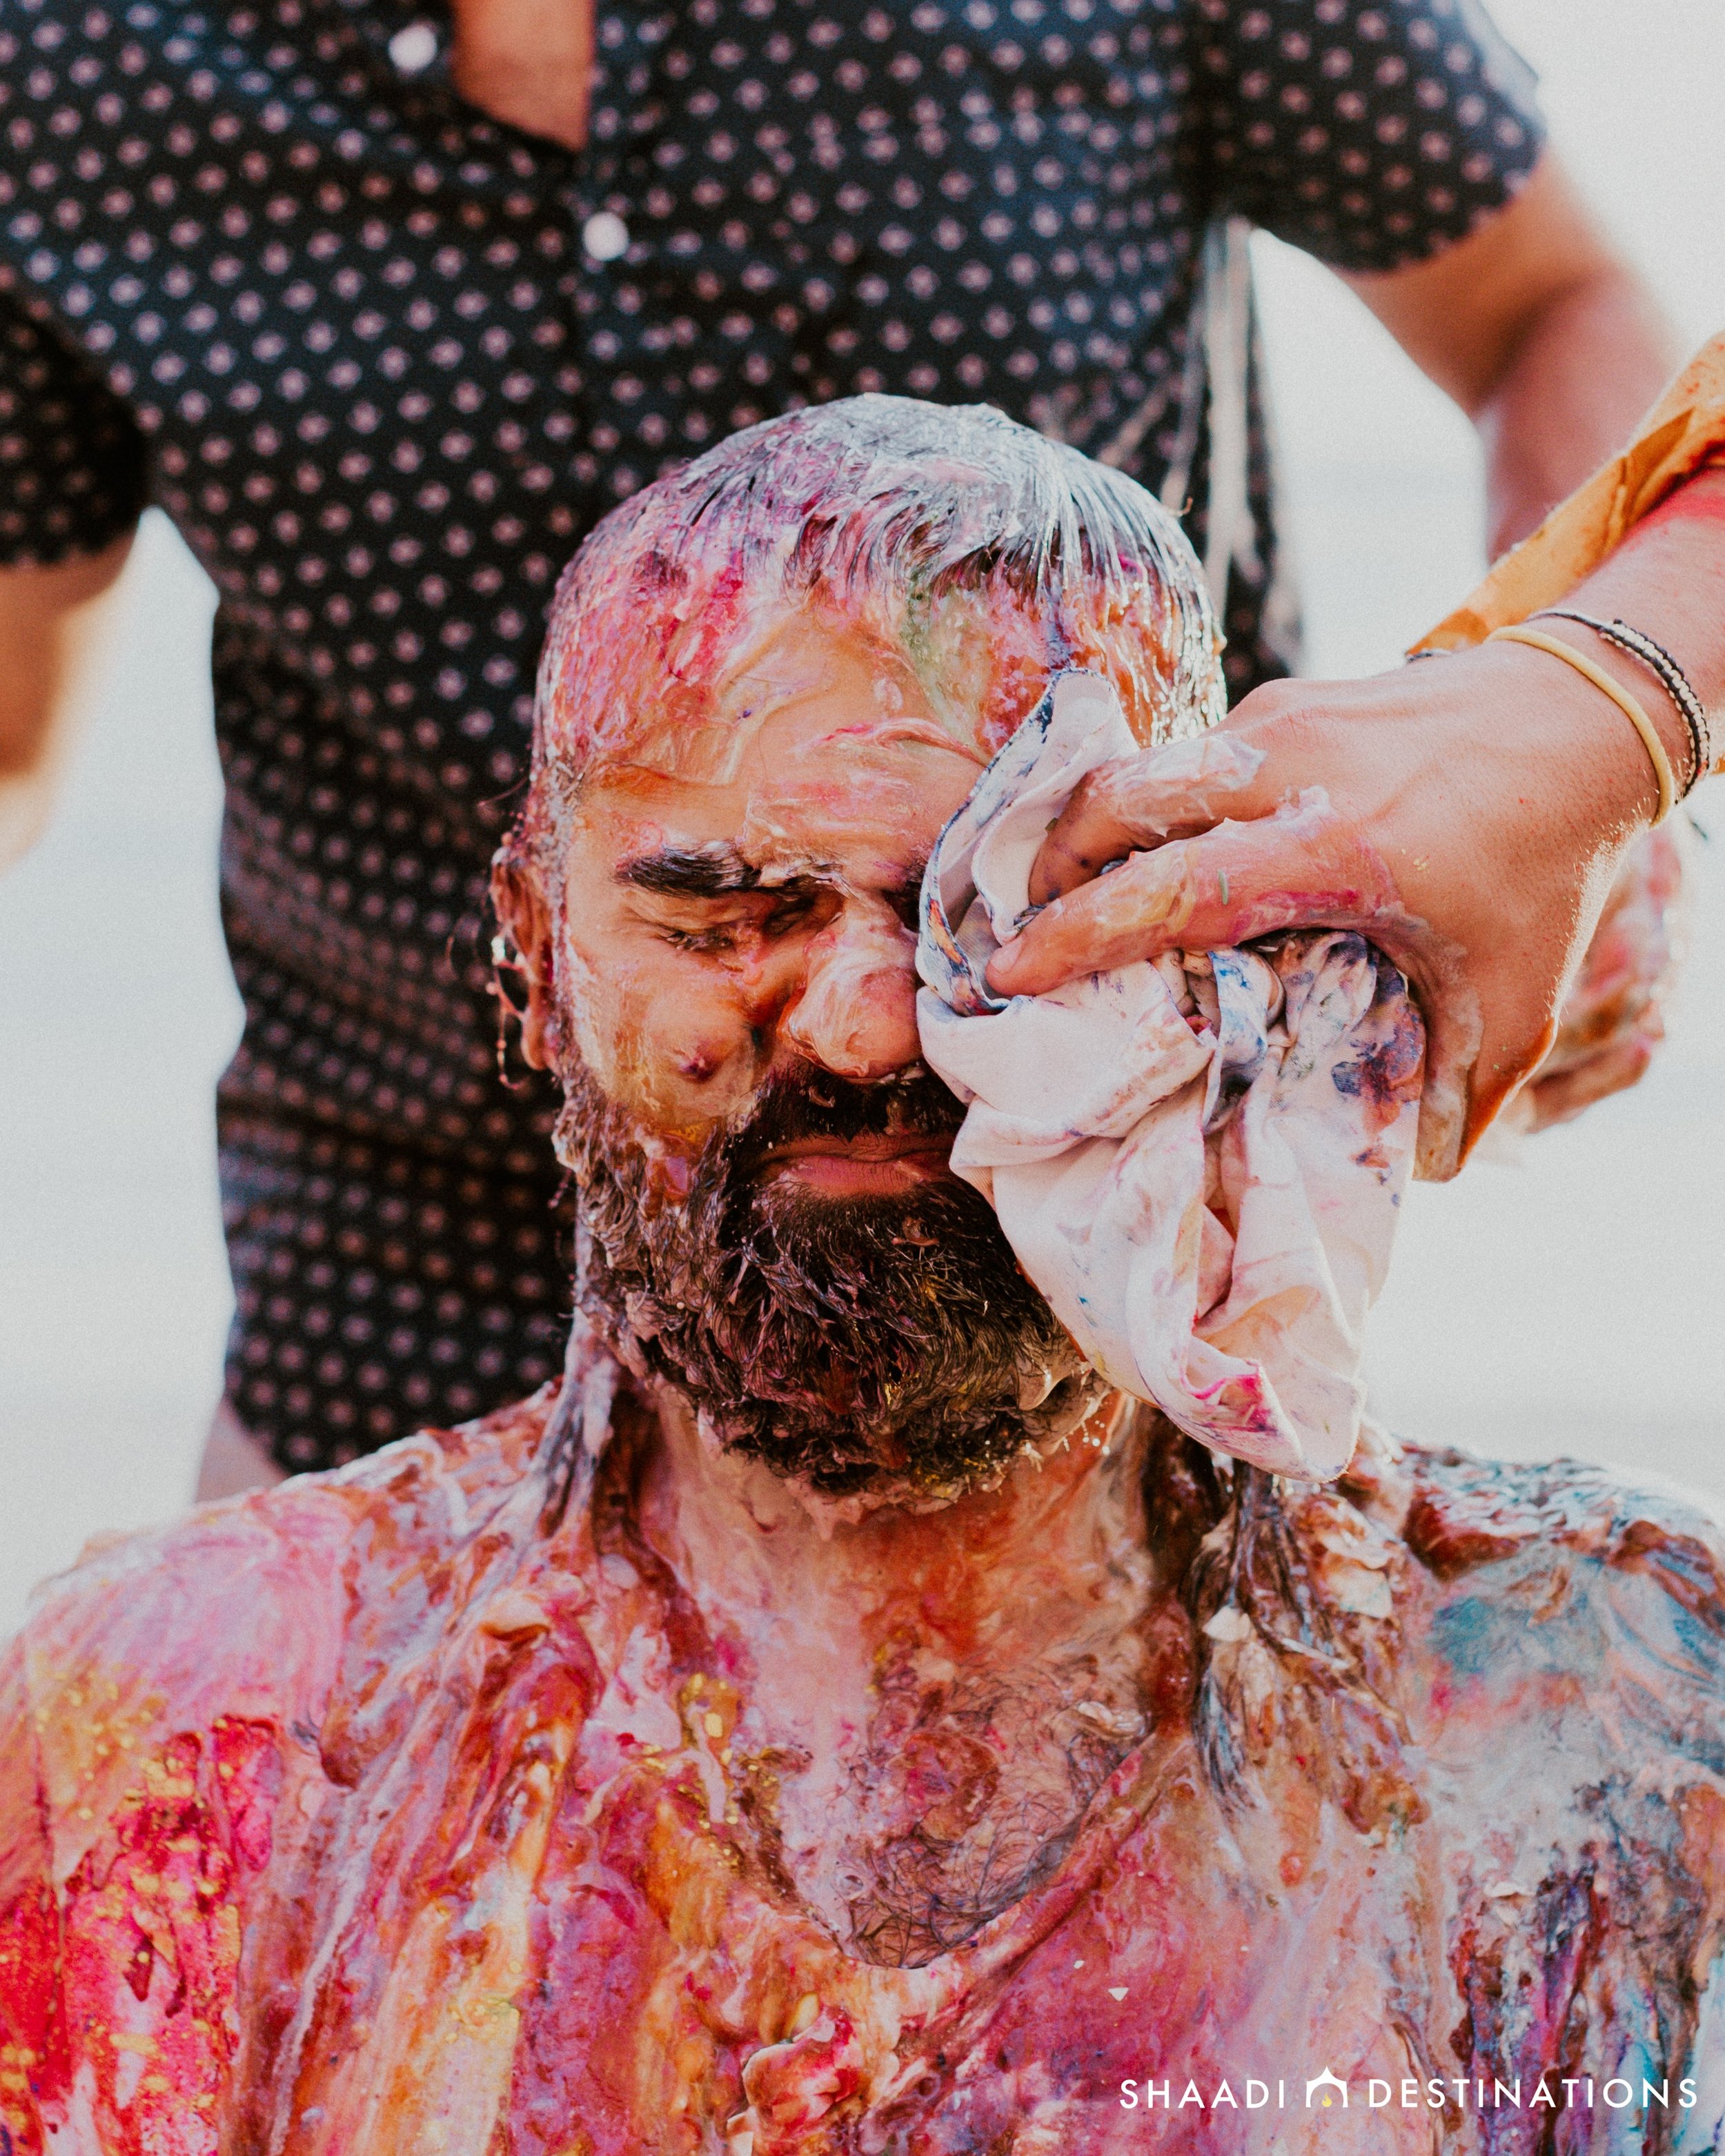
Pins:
x: 1626, y: 703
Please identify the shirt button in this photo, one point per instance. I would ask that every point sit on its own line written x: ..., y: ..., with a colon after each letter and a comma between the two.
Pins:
x: 605, y: 236
x: 414, y: 48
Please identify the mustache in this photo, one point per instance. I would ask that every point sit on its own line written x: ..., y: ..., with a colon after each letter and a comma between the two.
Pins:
x: 801, y: 1101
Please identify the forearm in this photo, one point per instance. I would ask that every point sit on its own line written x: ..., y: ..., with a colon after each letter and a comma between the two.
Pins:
x: 1570, y: 392
x: 1543, y: 335
x: 49, y: 619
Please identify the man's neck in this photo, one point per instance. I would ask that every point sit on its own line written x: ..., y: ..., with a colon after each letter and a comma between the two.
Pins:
x: 757, y: 1554
x: 527, y: 62
x: 975, y: 1633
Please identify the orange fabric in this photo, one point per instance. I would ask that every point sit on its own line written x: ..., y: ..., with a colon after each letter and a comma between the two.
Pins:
x: 1682, y: 434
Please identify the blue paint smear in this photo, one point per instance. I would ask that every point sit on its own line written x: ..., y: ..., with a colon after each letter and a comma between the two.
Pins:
x: 1478, y: 1634
x: 1467, y: 1635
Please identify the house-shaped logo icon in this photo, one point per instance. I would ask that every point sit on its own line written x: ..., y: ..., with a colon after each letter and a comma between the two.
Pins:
x: 1326, y: 2081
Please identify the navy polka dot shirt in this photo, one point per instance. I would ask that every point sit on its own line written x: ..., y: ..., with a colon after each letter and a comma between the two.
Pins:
x: 384, y: 361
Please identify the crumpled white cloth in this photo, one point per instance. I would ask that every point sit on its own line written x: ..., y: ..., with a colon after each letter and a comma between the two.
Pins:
x: 1198, y: 1160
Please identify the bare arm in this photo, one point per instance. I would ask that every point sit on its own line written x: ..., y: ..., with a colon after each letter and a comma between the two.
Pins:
x: 1545, y: 337
x: 47, y: 620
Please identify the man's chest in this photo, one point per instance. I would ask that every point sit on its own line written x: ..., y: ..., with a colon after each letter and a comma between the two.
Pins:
x: 1152, y: 1958
x: 628, y: 1961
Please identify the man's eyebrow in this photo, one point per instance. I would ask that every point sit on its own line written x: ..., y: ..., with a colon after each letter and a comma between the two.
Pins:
x: 709, y: 871
x: 718, y: 869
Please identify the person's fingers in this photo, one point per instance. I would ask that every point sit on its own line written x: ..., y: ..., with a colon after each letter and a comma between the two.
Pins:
x: 1138, y: 801
x: 1300, y: 868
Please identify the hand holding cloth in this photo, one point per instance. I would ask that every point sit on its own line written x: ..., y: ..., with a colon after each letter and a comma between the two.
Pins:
x: 1198, y: 1159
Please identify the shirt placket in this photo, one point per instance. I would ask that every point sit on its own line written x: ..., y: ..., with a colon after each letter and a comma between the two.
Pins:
x: 606, y: 289
x: 598, y: 205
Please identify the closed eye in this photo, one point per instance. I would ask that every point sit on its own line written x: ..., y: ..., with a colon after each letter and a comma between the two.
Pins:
x: 765, y: 918
x: 707, y: 940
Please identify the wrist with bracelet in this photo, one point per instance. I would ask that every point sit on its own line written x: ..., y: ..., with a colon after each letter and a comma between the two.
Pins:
x: 1661, y: 665
x: 1652, y: 655
x: 1671, y: 677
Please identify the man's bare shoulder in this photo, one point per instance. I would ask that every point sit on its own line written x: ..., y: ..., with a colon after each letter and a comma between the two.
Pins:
x: 1465, y: 1510
x: 242, y: 1609
x: 1561, y: 1667
x: 1567, y: 1596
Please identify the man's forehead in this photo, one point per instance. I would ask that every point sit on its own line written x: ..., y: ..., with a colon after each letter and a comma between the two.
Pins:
x: 855, y: 804
x: 816, y: 750
x: 793, y: 683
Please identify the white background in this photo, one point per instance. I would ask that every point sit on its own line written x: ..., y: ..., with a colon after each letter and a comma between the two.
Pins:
x: 1575, y: 1302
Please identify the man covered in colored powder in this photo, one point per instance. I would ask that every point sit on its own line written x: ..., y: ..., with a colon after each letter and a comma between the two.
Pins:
x: 836, y: 1719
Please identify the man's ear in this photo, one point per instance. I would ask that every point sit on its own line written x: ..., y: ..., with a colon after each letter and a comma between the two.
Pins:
x: 522, y: 954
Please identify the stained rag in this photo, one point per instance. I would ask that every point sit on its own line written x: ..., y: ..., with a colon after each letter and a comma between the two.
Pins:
x: 1198, y: 1159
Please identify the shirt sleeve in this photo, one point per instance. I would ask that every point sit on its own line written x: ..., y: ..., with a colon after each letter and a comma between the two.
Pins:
x: 73, y: 468
x: 1371, y: 133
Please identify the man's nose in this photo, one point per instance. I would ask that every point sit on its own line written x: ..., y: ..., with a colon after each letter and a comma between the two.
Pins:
x: 855, y: 1014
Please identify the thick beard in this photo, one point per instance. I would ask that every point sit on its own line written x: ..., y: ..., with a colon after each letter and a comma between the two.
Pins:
x: 887, y: 1345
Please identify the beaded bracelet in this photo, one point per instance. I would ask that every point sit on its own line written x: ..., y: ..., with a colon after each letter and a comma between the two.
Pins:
x: 1672, y: 679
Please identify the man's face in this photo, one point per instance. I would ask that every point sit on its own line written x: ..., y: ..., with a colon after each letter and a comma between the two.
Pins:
x: 742, y: 894
x: 770, y: 1218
